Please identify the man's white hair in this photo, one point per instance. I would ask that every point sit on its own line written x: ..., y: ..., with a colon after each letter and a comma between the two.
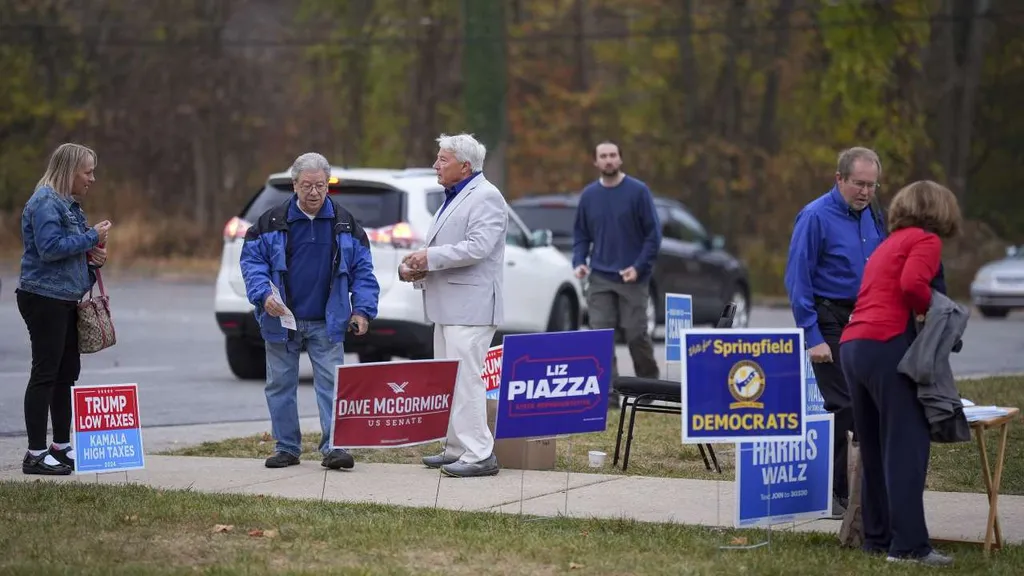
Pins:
x: 465, y: 148
x: 310, y: 162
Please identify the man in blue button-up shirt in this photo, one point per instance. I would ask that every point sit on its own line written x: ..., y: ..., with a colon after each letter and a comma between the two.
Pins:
x: 833, y: 237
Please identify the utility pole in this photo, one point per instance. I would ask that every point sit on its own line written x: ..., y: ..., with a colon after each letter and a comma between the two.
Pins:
x: 484, y: 74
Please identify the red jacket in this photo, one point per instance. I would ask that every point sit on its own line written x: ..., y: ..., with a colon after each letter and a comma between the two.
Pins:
x: 897, y: 283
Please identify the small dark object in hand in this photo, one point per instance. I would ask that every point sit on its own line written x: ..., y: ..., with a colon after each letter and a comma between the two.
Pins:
x: 353, y: 326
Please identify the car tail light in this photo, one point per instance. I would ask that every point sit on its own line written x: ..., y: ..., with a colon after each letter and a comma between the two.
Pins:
x: 399, y: 235
x: 236, y: 228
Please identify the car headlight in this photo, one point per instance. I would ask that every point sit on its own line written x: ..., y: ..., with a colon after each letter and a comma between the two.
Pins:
x: 983, y: 277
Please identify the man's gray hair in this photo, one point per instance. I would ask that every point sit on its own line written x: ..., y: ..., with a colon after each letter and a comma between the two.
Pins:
x: 466, y: 148
x: 847, y: 157
x: 309, y: 162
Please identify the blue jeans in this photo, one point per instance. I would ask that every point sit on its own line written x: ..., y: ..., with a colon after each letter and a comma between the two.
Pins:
x: 283, y: 383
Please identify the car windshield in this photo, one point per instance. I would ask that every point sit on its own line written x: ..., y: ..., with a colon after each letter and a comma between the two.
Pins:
x: 558, y: 219
x: 372, y: 207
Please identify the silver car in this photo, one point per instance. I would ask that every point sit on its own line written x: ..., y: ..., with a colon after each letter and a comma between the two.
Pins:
x: 998, y: 287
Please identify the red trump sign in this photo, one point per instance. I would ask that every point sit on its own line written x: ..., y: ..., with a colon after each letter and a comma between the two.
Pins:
x: 393, y: 404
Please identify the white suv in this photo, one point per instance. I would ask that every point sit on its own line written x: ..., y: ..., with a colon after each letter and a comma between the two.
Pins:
x: 396, y: 208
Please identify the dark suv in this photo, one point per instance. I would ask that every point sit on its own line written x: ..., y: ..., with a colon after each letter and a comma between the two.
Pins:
x: 690, y: 261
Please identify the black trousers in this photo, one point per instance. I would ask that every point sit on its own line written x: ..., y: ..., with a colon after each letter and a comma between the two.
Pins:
x: 894, y: 447
x: 53, y: 329
x: 624, y: 307
x: 832, y: 318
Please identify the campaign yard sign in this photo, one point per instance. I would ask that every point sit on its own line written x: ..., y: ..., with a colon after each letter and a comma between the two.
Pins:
x: 492, y: 372
x: 106, y: 430
x: 815, y: 401
x: 678, y: 317
x: 392, y: 404
x: 742, y: 384
x: 786, y: 481
x: 554, y: 384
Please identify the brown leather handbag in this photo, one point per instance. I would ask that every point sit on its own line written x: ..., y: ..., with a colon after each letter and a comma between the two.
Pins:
x: 95, y: 327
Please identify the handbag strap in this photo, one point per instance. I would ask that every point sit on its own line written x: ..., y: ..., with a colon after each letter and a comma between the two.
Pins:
x: 99, y: 280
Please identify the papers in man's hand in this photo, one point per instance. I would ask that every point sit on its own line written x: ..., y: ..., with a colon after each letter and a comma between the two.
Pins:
x: 288, y: 319
x: 975, y: 413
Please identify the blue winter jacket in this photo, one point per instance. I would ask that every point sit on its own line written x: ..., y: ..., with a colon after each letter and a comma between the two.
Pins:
x: 56, y: 236
x: 264, y: 260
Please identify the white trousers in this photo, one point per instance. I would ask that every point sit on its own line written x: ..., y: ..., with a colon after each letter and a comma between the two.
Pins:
x: 469, y: 438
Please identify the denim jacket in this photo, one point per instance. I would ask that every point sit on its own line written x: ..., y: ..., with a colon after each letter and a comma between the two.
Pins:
x: 56, y: 236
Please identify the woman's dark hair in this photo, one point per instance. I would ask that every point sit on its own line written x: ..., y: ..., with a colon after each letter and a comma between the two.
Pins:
x: 927, y: 205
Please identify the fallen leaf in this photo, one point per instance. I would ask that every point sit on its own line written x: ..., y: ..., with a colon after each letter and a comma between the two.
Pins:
x: 223, y: 527
x: 575, y: 566
x: 739, y: 541
x: 131, y: 518
x: 585, y: 533
x: 256, y: 533
x: 270, y: 533
x: 266, y: 437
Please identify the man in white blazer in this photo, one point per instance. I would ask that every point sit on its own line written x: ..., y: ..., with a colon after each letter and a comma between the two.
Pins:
x: 461, y: 274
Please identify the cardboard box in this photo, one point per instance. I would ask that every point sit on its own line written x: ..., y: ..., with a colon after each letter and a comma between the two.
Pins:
x: 521, y: 453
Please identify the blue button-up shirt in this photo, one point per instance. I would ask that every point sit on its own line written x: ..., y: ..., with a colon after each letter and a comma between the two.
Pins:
x: 451, y: 193
x: 830, y: 246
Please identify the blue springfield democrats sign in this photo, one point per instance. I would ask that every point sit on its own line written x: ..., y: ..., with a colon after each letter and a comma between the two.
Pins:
x: 786, y: 481
x: 554, y: 383
x: 815, y: 401
x: 678, y: 317
x: 742, y: 384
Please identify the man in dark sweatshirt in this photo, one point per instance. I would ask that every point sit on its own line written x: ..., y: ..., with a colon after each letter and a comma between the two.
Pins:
x: 617, y: 229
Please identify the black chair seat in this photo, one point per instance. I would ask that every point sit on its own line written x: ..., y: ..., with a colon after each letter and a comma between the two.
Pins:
x: 652, y: 388
x: 645, y: 391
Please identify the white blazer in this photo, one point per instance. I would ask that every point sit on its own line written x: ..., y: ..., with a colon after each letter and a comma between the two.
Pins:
x: 466, y: 258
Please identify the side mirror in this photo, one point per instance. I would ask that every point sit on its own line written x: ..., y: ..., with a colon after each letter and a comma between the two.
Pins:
x: 1011, y: 251
x: 540, y: 238
x: 718, y: 242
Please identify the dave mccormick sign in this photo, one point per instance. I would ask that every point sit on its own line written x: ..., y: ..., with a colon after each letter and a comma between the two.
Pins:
x: 554, y: 383
x: 106, y: 430
x: 743, y: 384
x: 392, y: 404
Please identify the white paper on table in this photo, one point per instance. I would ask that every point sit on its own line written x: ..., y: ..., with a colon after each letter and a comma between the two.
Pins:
x: 288, y: 319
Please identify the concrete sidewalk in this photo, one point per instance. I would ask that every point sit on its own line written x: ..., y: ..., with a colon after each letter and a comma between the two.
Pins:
x: 702, y: 502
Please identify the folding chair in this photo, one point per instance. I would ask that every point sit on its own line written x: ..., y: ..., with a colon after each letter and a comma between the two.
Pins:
x: 639, y: 395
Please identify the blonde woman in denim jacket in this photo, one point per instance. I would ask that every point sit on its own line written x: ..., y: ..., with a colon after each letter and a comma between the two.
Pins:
x: 57, y: 269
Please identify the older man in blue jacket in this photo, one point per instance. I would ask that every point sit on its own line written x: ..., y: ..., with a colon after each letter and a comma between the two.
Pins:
x: 303, y: 261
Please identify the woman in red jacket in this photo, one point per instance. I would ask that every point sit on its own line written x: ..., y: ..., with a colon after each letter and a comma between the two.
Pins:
x: 889, y: 420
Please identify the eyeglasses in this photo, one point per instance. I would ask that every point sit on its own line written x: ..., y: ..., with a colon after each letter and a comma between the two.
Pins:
x: 306, y: 187
x: 862, y: 184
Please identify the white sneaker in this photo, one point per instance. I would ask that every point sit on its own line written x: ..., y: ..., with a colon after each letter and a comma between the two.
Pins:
x: 932, y: 559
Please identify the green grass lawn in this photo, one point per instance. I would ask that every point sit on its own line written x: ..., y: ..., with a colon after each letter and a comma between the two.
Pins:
x: 657, y: 450
x: 84, y: 528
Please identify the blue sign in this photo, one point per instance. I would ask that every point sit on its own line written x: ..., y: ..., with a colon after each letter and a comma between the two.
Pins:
x: 815, y: 402
x: 554, y: 383
x: 743, y: 384
x: 678, y: 317
x: 780, y: 482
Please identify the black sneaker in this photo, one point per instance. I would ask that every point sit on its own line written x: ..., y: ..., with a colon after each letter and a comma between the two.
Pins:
x: 61, y: 455
x: 281, y: 460
x: 37, y: 465
x: 338, y: 458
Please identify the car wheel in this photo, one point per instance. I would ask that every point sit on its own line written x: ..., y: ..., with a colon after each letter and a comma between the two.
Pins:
x: 993, y: 311
x: 742, y: 317
x: 563, y: 315
x: 371, y: 357
x: 247, y: 361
